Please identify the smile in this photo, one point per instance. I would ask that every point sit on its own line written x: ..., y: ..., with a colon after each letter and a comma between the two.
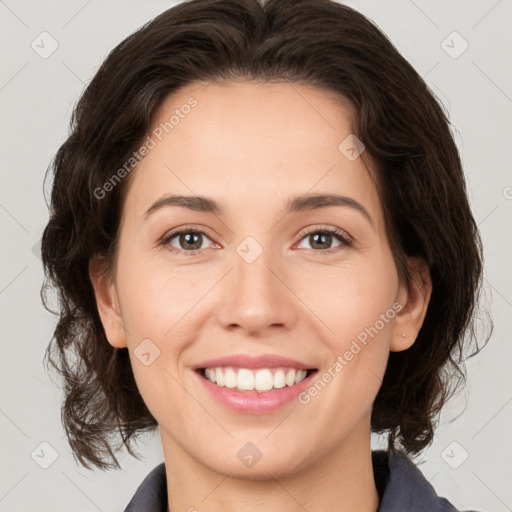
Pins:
x: 254, y: 391
x: 249, y: 384
x: 251, y: 379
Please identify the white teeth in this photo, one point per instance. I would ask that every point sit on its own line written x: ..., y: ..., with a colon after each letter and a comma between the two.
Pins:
x: 290, y: 378
x: 245, y: 380
x: 210, y: 374
x: 279, y: 379
x: 301, y: 375
x: 219, y: 377
x: 264, y: 379
x: 230, y: 380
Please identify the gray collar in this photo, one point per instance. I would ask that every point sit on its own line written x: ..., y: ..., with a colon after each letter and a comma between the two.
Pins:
x: 400, y: 484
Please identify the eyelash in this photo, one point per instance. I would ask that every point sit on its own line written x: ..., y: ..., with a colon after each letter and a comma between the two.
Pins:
x: 342, y: 237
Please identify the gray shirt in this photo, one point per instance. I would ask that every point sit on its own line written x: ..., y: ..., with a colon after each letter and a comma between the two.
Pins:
x: 400, y: 484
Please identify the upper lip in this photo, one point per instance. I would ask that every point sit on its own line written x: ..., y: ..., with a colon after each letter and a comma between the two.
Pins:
x: 246, y: 361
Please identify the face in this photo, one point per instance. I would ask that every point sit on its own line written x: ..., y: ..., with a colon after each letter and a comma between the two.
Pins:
x: 262, y: 274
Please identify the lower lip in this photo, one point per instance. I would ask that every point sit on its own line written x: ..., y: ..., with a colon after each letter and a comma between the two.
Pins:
x: 254, y: 402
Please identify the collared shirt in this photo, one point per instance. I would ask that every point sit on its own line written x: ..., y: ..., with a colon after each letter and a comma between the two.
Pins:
x: 400, y: 484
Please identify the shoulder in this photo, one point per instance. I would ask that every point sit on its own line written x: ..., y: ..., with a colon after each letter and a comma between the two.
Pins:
x: 151, y: 495
x: 404, y: 487
x: 401, y: 486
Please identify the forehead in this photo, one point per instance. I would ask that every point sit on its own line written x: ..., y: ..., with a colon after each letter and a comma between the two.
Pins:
x: 251, y: 146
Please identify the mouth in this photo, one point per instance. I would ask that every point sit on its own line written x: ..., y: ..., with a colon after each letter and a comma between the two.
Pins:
x: 260, y: 380
x: 254, y: 385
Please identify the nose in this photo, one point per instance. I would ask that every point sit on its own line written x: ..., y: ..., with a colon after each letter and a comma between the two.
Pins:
x: 257, y: 297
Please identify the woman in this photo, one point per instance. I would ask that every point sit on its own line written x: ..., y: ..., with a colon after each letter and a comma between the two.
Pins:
x: 263, y: 245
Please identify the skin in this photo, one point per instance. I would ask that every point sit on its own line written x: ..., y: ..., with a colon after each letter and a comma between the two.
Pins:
x: 250, y: 147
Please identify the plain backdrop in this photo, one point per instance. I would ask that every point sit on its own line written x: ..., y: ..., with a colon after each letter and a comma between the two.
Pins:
x: 461, y: 48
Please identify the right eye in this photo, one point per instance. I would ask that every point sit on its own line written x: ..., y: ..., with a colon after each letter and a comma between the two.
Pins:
x: 190, y: 241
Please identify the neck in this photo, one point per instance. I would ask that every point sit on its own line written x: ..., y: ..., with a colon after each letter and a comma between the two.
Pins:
x: 343, y: 476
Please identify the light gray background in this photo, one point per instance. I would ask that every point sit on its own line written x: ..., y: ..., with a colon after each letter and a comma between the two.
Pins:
x: 36, y: 98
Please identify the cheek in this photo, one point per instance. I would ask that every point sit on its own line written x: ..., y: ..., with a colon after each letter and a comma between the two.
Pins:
x: 355, y: 303
x: 357, y: 308
x: 156, y: 297
x: 159, y: 309
x: 351, y: 298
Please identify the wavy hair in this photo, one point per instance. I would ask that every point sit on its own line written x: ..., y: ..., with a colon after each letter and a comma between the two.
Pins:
x: 415, y: 161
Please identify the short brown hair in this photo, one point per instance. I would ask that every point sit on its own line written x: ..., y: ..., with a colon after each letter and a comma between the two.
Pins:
x: 405, y: 131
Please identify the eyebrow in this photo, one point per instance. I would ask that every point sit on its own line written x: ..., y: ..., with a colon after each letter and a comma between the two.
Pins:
x: 303, y: 203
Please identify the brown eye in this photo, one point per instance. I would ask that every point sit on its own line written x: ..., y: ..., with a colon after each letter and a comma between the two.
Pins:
x: 321, y: 240
x: 187, y: 240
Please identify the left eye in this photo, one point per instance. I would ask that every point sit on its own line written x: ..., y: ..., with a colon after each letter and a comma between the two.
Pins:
x: 325, y: 237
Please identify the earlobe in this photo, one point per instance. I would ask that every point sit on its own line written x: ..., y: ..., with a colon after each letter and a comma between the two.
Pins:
x: 414, y: 301
x: 107, y: 303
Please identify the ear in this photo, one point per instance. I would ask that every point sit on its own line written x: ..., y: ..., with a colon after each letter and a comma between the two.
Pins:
x: 414, y: 301
x: 107, y: 302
